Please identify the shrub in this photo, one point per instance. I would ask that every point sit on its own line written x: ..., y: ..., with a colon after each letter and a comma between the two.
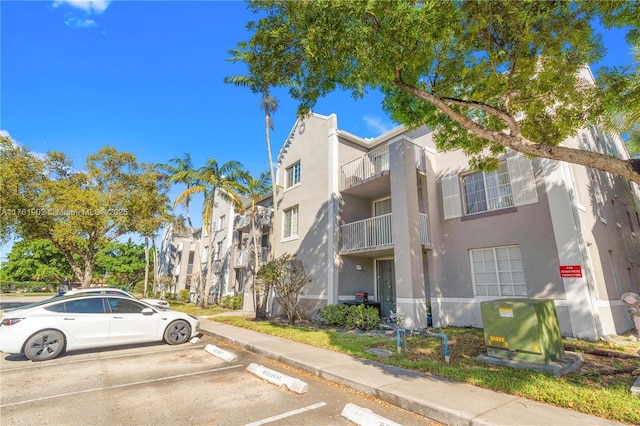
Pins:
x: 27, y: 286
x: 334, y: 314
x: 184, y: 295
x: 232, y: 302
x: 361, y: 317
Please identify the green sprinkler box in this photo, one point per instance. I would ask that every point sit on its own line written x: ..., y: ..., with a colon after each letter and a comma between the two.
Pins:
x: 522, y: 329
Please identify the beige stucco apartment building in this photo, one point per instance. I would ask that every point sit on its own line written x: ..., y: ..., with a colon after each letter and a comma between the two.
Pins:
x: 413, y: 227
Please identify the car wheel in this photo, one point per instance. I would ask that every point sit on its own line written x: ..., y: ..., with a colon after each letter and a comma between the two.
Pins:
x: 44, y: 345
x: 178, y: 332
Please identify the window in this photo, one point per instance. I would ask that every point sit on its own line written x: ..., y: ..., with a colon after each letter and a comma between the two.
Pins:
x: 125, y: 306
x: 487, y: 191
x: 498, y: 271
x: 223, y: 222
x: 219, y: 250
x: 80, y: 306
x: 382, y: 207
x: 293, y: 175
x: 240, y: 278
x: 290, y: 228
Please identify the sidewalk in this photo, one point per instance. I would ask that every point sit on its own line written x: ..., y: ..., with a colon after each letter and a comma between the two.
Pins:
x: 442, y: 400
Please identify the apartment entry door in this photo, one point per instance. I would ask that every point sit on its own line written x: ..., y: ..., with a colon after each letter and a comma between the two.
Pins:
x: 385, y: 277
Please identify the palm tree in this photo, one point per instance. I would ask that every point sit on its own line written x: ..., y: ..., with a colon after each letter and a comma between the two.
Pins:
x: 256, y: 190
x: 268, y: 104
x: 181, y: 171
x: 212, y: 180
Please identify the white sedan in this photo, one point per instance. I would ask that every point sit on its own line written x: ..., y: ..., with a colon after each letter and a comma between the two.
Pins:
x: 163, y: 304
x: 43, y: 330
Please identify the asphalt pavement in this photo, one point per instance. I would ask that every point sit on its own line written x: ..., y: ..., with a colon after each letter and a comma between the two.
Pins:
x: 440, y: 399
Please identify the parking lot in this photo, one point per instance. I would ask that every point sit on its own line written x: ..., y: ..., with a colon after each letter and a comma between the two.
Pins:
x: 170, y: 385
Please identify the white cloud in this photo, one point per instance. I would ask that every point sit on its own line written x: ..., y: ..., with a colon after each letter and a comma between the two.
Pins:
x: 5, y: 133
x: 376, y: 124
x: 74, y: 22
x: 92, y: 7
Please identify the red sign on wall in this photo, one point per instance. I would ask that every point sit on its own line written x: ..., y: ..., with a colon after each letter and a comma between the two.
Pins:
x: 570, y: 271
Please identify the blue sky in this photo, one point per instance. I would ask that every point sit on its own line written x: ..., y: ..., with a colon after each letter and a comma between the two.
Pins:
x: 147, y: 77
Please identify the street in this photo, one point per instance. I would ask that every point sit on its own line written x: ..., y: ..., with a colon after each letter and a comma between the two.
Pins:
x: 169, y: 385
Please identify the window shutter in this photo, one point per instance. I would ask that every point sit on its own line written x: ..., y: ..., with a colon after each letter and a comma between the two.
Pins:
x: 451, y: 196
x: 523, y: 182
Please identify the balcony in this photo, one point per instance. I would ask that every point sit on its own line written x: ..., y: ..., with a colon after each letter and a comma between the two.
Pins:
x: 375, y: 233
x: 242, y: 256
x: 263, y: 218
x: 375, y: 163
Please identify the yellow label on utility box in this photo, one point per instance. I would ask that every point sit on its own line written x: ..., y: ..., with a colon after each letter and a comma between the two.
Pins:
x: 506, y: 312
x: 497, y: 339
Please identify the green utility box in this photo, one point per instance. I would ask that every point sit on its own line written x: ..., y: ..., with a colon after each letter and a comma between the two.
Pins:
x: 522, y: 329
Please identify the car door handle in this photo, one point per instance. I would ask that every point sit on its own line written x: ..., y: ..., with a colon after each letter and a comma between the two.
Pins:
x: 118, y: 317
x: 69, y: 319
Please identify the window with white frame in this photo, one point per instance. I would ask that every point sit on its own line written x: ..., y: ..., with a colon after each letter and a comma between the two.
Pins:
x: 487, y: 191
x: 222, y: 223
x: 290, y: 223
x: 498, y: 271
x: 513, y: 184
x: 293, y: 175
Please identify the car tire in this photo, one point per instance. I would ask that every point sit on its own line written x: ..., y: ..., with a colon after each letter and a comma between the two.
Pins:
x: 178, y: 332
x: 44, y: 345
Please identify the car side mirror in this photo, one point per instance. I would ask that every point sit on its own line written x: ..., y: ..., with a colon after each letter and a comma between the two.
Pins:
x: 148, y: 311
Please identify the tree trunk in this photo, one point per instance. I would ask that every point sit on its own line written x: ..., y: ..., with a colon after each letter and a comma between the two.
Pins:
x: 155, y: 266
x: 274, y: 190
x: 146, y: 265
x: 209, y: 278
x: 196, y: 247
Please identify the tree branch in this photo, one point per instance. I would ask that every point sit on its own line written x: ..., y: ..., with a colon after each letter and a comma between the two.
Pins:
x: 628, y: 169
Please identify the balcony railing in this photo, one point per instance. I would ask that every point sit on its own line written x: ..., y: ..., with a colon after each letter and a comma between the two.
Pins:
x: 376, y: 232
x: 242, y: 256
x: 374, y: 163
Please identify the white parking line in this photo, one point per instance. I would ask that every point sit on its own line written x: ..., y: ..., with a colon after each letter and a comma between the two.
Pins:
x: 124, y: 385
x: 30, y: 365
x: 287, y: 414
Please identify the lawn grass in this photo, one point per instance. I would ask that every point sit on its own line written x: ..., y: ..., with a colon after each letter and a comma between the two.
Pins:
x: 586, y: 390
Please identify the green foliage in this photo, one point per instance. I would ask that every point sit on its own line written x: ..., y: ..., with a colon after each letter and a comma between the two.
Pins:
x: 26, y: 287
x: 79, y: 212
x: 122, y: 263
x: 485, y: 76
x: 363, y: 317
x: 184, y: 295
x: 359, y: 317
x: 36, y: 259
x: 286, y: 276
x: 334, y: 314
x: 232, y: 302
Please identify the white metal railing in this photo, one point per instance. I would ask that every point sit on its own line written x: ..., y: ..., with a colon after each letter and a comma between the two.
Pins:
x: 376, y: 232
x: 424, y: 228
x: 368, y: 233
x: 420, y: 156
x: 241, y: 257
x: 373, y: 163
